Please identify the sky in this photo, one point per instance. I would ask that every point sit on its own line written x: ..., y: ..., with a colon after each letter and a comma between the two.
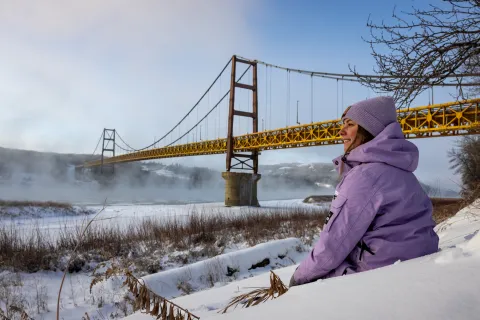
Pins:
x: 71, y: 68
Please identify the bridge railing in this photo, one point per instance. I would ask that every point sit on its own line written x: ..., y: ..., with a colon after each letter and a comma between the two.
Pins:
x: 446, y: 119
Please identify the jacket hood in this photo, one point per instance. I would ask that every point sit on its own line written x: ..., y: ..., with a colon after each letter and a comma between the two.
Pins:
x: 389, y: 147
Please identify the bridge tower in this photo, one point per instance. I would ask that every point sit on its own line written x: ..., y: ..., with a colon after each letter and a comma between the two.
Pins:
x: 241, y: 187
x: 108, y: 138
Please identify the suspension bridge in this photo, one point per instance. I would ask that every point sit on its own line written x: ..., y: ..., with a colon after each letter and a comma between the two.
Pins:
x: 218, y: 131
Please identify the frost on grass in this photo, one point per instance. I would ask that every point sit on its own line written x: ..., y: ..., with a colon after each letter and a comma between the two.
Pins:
x: 38, y: 209
x: 194, y: 236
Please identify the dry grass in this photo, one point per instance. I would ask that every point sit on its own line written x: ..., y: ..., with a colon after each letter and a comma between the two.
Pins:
x: 42, y: 204
x: 73, y: 256
x: 13, y: 301
x: 35, y: 251
x: 144, y: 299
x: 257, y: 296
x: 444, y: 208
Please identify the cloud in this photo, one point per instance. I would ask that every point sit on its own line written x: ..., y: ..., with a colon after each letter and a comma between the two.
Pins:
x: 71, y: 68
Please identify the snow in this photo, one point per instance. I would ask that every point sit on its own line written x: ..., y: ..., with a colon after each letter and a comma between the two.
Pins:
x: 411, y: 290
x: 323, y: 185
x: 127, y: 215
x: 305, y: 165
x: 41, y: 212
x: 474, y: 243
x: 241, y: 263
x: 310, y: 166
x: 165, y: 173
x: 170, y: 174
x: 444, y: 285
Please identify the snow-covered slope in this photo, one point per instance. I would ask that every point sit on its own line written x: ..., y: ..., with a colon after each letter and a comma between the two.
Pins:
x: 234, y: 265
x: 35, y: 211
x: 445, y: 285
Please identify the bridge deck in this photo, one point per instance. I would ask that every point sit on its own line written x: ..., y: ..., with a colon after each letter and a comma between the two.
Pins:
x: 439, y: 120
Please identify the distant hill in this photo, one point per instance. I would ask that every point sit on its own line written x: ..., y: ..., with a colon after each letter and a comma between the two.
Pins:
x: 23, y: 170
x: 314, y: 175
x: 27, y: 162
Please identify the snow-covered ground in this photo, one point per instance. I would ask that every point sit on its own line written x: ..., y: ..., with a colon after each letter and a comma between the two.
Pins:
x: 238, y: 264
x: 39, y: 212
x: 125, y: 215
x: 167, y: 173
x: 445, y: 285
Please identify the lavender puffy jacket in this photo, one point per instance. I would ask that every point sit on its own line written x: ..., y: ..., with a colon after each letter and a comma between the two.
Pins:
x: 380, y: 213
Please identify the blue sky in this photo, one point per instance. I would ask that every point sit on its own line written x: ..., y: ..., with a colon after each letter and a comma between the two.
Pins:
x: 69, y: 69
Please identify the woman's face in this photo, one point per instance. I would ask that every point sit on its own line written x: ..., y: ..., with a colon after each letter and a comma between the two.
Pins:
x: 348, y: 134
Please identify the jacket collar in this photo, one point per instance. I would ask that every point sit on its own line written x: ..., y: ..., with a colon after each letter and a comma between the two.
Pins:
x: 347, y: 164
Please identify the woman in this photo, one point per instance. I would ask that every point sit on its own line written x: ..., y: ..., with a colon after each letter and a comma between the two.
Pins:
x: 380, y: 213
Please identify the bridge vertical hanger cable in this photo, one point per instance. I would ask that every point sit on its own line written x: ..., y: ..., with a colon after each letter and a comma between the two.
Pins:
x: 289, y: 96
x: 196, y: 129
x: 217, y: 126
x: 337, y: 98
x: 207, y: 131
x: 186, y: 135
x: 211, y: 110
x: 270, y: 99
x: 343, y: 106
x: 189, y: 112
x: 286, y: 102
x: 249, y: 107
x: 266, y: 98
x: 288, y: 106
x: 311, y: 98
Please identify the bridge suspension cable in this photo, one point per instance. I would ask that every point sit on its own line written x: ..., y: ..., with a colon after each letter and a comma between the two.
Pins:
x: 211, y: 110
x: 356, y: 77
x: 98, y: 143
x: 188, y: 113
x: 290, y: 93
x: 128, y: 146
x: 122, y: 148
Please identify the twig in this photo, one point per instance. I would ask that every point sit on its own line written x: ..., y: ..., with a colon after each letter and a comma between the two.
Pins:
x: 255, y: 297
x: 73, y: 256
x: 162, y: 307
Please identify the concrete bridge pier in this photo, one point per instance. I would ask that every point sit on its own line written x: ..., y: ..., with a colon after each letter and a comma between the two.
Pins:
x: 241, y: 189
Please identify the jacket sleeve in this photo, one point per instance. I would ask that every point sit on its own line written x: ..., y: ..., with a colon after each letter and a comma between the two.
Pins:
x: 351, y: 213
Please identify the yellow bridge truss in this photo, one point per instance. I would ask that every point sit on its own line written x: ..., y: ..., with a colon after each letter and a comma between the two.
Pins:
x: 438, y: 120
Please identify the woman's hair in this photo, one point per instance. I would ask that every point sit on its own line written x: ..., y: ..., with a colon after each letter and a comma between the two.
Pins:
x: 363, y: 135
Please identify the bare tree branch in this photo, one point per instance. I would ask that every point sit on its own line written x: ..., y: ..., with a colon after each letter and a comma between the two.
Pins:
x: 424, y: 48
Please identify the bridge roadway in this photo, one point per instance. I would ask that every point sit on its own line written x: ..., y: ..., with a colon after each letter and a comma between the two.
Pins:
x: 438, y: 120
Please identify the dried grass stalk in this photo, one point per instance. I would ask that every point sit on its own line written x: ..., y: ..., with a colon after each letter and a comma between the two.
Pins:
x: 276, y: 289
x: 74, y: 254
x: 145, y: 299
x: 23, y: 314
